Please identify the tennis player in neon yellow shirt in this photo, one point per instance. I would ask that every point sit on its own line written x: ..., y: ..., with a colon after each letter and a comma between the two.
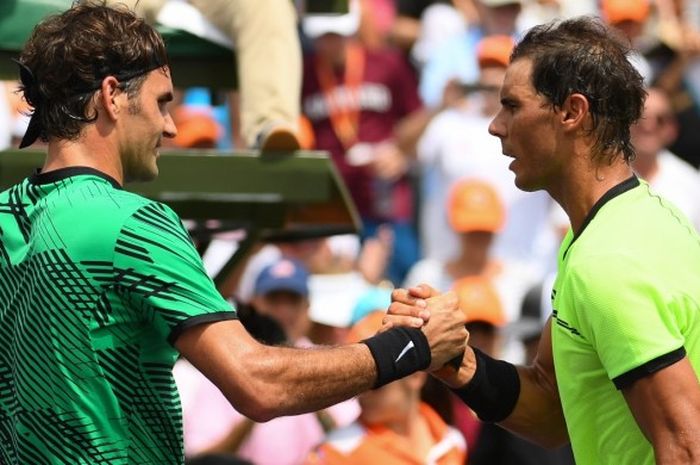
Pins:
x: 617, y: 368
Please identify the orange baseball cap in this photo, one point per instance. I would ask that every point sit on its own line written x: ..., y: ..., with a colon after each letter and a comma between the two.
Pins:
x: 479, y: 301
x: 366, y: 327
x: 495, y: 50
x: 195, y: 128
x: 617, y: 11
x: 474, y: 205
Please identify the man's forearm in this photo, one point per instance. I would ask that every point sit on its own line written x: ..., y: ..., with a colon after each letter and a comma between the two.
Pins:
x: 303, y: 380
x: 533, y: 409
x: 537, y: 415
x: 263, y: 382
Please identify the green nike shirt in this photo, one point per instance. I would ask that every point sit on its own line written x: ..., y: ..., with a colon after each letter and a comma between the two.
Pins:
x: 626, y: 304
x: 95, y: 285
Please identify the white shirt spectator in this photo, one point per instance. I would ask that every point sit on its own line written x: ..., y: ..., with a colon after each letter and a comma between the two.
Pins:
x: 457, y: 145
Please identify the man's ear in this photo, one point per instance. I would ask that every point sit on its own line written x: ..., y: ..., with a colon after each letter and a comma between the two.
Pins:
x: 574, y: 113
x: 109, y: 99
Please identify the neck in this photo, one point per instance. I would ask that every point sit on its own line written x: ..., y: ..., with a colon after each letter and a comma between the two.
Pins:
x: 406, y: 426
x: 85, y: 151
x: 585, y: 183
x: 471, y: 261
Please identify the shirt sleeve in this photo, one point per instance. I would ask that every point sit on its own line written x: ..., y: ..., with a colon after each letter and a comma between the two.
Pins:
x: 628, y: 318
x: 158, y: 270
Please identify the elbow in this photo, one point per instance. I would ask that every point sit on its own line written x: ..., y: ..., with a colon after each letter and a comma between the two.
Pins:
x: 257, y: 407
x: 258, y: 413
x: 257, y: 395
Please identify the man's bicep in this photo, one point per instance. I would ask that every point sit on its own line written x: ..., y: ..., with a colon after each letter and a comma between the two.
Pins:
x: 213, y: 347
x: 666, y: 406
x: 544, y: 359
x: 217, y: 350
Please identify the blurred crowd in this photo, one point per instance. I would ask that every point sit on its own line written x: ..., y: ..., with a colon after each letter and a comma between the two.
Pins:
x: 401, y: 93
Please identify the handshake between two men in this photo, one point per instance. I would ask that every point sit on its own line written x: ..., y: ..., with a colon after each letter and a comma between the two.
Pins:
x: 490, y: 387
x: 442, y: 322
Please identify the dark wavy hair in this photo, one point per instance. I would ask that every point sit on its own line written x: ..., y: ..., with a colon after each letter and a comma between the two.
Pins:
x: 68, y: 55
x: 582, y: 55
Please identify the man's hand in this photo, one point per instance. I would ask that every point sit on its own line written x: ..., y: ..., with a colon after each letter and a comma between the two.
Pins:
x: 439, y: 316
x: 445, y: 331
x: 409, y: 308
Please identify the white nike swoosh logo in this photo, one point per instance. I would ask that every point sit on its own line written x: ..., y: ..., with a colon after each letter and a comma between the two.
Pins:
x: 408, y: 347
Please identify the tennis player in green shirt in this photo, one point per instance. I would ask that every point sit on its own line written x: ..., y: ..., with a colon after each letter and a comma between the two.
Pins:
x: 101, y: 289
x: 617, y: 368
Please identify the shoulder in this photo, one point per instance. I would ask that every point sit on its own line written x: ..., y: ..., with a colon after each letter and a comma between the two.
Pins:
x: 98, y: 203
x: 156, y: 224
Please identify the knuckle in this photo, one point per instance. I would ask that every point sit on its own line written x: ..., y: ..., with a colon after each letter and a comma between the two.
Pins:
x: 396, y: 309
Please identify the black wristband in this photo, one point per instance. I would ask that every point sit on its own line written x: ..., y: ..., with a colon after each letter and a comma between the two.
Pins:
x: 398, y: 352
x: 493, y: 391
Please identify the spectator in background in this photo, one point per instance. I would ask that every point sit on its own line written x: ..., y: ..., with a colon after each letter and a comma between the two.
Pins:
x: 394, y: 426
x: 365, y: 111
x: 676, y: 64
x: 476, y: 214
x: 268, y: 58
x: 281, y: 293
x: 378, y: 17
x: 439, y: 23
x: 340, y: 301
x: 406, y: 30
x: 196, y: 128
x: 312, y: 252
x: 630, y: 17
x: 457, y: 145
x: 457, y: 58
x: 542, y: 11
x: 670, y: 176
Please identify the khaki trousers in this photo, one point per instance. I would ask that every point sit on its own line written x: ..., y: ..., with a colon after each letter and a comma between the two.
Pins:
x: 268, y: 54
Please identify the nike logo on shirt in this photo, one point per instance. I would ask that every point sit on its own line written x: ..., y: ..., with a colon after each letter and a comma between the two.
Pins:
x: 408, y: 347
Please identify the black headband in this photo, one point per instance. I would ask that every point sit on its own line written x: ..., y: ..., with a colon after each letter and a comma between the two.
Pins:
x: 34, y: 98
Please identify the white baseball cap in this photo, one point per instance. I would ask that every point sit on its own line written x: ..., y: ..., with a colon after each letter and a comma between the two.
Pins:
x: 333, y: 297
x: 316, y: 25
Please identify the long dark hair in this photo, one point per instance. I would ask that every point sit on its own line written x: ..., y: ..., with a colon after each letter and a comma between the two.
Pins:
x: 582, y: 55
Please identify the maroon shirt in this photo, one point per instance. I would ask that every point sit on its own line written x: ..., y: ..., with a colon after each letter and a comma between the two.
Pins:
x: 388, y: 93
